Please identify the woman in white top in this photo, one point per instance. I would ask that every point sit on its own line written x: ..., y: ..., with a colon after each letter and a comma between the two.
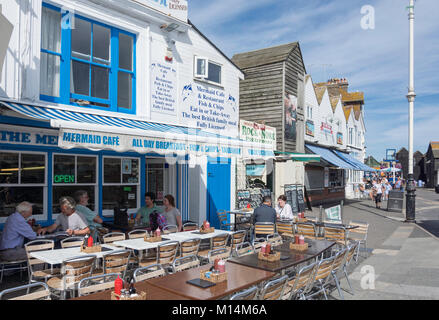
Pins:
x: 283, y: 209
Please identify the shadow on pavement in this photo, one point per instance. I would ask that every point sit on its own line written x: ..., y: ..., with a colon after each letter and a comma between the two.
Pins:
x: 431, y: 226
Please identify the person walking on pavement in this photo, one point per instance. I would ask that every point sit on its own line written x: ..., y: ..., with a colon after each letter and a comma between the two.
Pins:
x: 378, y: 192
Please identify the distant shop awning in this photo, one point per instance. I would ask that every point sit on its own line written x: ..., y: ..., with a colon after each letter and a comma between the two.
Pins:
x: 99, y: 132
x: 354, y: 162
x: 304, y: 157
x: 330, y: 157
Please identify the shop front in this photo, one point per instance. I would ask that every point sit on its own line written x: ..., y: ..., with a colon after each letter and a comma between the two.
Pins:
x: 40, y: 163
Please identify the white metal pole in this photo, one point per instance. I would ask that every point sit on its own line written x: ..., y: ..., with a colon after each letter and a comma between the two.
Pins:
x: 410, y: 187
x: 411, y: 91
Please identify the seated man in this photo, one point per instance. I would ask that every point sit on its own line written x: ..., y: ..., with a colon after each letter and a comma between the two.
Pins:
x: 150, y: 207
x: 69, y: 220
x: 16, y: 229
x: 93, y: 220
x: 265, y: 213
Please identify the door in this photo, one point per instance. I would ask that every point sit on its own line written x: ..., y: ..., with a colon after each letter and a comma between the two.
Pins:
x: 218, y: 189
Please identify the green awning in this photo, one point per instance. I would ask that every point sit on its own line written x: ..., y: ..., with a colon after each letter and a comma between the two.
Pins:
x: 297, y: 156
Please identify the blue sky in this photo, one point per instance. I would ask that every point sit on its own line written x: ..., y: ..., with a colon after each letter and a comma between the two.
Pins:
x: 334, y: 44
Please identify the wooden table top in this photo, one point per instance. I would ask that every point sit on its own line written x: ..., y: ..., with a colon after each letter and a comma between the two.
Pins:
x: 294, y: 257
x: 174, y: 286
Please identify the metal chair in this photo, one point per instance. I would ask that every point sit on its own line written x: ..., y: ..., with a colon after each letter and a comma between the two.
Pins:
x: 189, y: 247
x: 301, y: 283
x: 243, y: 249
x: 274, y: 239
x: 285, y: 229
x: 337, y: 267
x: 184, y: 263
x: 339, y: 234
x: 136, y: 234
x: 248, y: 294
x: 72, y: 242
x: 308, y: 230
x: 149, y: 272
x: 96, y: 283
x: 114, y: 262
x: 42, y: 294
x: 219, y: 241
x: 273, y: 290
x: 170, y: 228
x: 73, y: 270
x: 358, y: 234
x: 222, y: 253
x: 190, y: 226
x: 12, y: 265
x: 264, y: 228
x: 113, y: 236
x: 37, y: 269
x: 351, y: 249
x: 224, y: 222
x: 321, y: 277
x: 166, y: 254
x: 236, y: 238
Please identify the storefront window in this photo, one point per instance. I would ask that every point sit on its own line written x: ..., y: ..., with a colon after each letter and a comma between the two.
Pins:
x: 72, y: 173
x: 336, y: 178
x: 22, y: 178
x: 121, y: 183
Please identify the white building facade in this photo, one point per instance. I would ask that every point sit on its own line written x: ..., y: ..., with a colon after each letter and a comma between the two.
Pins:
x: 117, y: 98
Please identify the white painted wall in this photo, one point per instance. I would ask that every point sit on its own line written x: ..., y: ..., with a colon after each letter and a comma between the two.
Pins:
x: 311, y: 101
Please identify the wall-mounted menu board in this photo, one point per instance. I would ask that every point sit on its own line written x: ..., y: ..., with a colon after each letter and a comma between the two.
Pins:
x: 243, y: 198
x: 291, y: 194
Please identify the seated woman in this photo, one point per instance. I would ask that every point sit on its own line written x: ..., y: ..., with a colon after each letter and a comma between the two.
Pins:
x: 283, y: 209
x: 69, y: 220
x: 171, y: 213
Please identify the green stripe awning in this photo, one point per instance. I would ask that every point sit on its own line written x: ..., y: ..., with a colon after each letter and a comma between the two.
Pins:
x: 297, y: 156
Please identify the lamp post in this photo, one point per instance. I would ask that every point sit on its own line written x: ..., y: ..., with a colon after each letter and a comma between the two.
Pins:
x: 410, y: 196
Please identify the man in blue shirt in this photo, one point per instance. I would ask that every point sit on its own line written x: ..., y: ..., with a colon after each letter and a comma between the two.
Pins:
x: 265, y: 213
x: 15, y: 231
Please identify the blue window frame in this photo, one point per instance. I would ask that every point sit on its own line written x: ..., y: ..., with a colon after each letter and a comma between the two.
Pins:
x: 86, y: 63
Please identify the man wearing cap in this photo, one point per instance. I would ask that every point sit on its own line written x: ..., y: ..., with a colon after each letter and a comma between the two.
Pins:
x: 16, y: 229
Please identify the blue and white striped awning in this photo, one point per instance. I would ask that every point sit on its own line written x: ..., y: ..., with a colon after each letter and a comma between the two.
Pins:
x: 348, y: 158
x: 331, y: 157
x: 91, y: 131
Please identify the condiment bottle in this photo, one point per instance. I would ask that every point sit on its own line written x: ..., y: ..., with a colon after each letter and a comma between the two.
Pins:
x: 85, y: 243
x: 132, y: 289
x: 268, y: 248
x: 90, y: 242
x: 157, y: 232
x: 221, y: 266
x: 118, y: 285
x: 296, y: 239
x: 301, y: 239
x: 263, y: 248
x: 216, y: 263
x: 207, y: 225
x: 248, y: 206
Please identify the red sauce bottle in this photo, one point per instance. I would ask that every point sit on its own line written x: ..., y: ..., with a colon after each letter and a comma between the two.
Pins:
x: 118, y: 285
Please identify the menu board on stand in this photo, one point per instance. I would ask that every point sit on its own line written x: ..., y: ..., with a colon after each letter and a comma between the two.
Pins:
x: 300, y: 198
x: 291, y: 194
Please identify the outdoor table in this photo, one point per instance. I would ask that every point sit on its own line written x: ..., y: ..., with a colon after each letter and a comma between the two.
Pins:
x: 57, y: 256
x: 321, y: 225
x: 294, y: 257
x: 241, y: 212
x: 174, y: 286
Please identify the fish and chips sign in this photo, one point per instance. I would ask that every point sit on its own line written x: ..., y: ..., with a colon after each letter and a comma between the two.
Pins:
x: 175, y: 8
x: 259, y: 133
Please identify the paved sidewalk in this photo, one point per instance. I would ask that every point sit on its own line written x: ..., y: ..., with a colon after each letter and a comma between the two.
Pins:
x: 402, y: 262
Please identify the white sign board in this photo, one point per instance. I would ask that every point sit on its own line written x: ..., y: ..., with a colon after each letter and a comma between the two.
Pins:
x: 255, y: 132
x: 334, y: 214
x: 210, y: 108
